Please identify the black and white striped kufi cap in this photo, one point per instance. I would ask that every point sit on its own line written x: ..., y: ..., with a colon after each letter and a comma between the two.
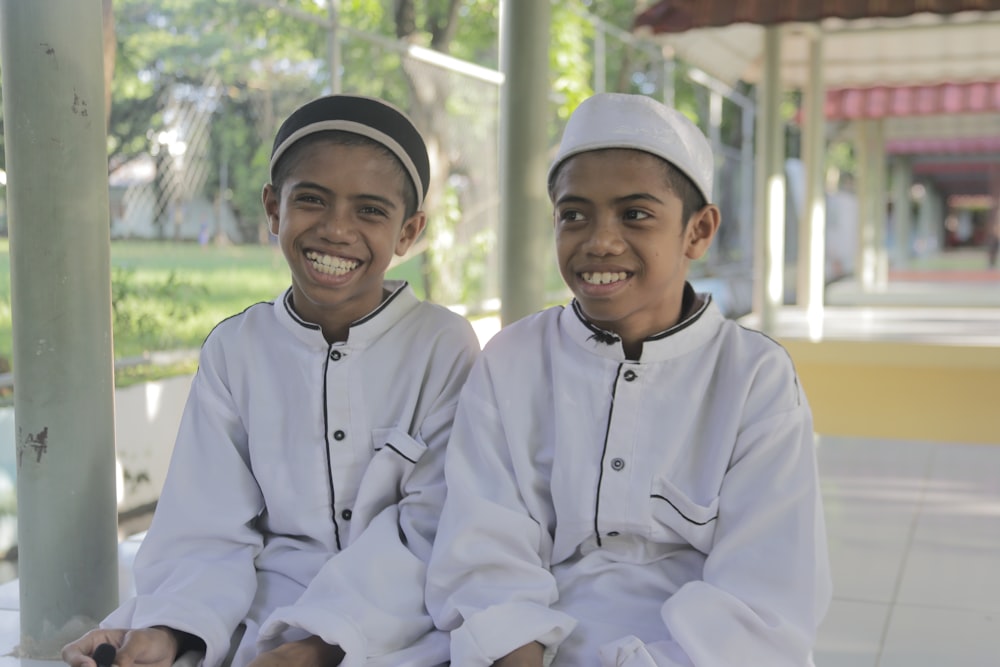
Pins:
x: 373, y: 118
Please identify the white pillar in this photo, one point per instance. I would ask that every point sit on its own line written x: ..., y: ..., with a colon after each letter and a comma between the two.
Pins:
x: 902, y: 217
x: 769, y: 247
x: 871, y: 266
x: 880, y: 210
x: 812, y: 232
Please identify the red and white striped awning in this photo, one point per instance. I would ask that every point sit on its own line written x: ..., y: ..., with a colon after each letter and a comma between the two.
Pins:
x: 919, y: 100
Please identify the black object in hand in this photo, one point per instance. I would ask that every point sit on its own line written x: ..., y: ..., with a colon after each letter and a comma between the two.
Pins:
x: 104, y: 655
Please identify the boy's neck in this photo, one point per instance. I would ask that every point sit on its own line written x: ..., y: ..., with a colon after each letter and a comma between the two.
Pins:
x: 337, y: 332
x: 632, y: 345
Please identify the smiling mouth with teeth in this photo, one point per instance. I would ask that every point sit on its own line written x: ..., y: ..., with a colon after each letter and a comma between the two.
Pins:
x: 335, y: 266
x: 603, y: 278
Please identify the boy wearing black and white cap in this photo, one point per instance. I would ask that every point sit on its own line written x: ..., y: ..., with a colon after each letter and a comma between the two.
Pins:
x: 306, y: 481
x: 631, y: 478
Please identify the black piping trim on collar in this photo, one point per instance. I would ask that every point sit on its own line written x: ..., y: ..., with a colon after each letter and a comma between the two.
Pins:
x: 382, y: 306
x: 295, y: 316
x: 608, y: 338
x: 599, y: 334
x: 310, y: 325
x: 689, y: 297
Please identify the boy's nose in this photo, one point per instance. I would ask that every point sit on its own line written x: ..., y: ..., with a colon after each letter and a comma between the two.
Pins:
x: 338, y: 226
x: 605, y: 239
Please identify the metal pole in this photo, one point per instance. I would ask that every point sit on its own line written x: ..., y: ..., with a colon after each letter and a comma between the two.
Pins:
x: 878, y: 173
x: 769, y: 243
x: 333, y: 46
x: 902, y: 216
x: 600, y: 59
x: 866, y: 253
x: 669, y: 83
x: 812, y: 239
x: 524, y: 121
x: 715, y: 139
x: 57, y: 191
x: 747, y: 192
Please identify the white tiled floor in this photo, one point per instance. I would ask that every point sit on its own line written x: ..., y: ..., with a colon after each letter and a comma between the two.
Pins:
x: 914, y: 532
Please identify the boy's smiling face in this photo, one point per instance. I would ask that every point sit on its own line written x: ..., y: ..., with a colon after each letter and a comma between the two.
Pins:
x: 622, y: 244
x: 339, y: 218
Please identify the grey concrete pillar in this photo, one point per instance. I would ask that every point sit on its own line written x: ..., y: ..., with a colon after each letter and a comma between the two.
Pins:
x: 525, y: 213
x: 57, y: 192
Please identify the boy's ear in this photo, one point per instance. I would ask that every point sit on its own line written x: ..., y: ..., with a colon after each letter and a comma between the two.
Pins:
x: 701, y: 230
x: 411, y: 229
x: 272, y: 207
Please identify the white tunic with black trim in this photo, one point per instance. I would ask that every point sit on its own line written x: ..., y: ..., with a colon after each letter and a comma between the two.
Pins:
x: 659, y: 512
x: 299, y: 470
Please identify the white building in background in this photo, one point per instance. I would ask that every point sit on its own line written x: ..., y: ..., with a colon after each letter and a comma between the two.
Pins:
x: 133, y: 209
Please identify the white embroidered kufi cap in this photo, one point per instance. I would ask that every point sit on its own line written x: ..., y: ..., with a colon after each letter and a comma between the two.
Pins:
x: 619, y: 120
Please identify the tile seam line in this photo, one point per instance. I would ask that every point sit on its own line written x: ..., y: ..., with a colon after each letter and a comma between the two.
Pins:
x: 911, y: 533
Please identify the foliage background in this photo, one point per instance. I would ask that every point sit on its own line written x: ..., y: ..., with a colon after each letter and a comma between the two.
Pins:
x: 245, y: 64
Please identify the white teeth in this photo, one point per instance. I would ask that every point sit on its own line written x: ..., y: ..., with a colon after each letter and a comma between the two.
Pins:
x: 336, y: 266
x: 603, y: 278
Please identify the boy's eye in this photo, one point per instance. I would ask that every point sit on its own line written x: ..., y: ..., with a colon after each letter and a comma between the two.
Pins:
x: 307, y: 198
x: 636, y: 214
x: 570, y: 215
x: 372, y: 210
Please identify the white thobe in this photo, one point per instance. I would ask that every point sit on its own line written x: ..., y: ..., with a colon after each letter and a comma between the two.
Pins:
x: 306, y: 483
x: 664, y: 511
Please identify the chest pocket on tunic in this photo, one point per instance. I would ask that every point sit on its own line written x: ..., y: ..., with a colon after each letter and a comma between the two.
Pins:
x: 394, y: 455
x: 676, y: 519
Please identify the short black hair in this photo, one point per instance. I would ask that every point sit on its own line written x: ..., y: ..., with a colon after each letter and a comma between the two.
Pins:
x: 293, y: 154
x: 691, y: 198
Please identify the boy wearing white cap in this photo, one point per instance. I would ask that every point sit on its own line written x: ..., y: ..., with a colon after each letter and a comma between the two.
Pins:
x: 306, y: 481
x: 631, y: 478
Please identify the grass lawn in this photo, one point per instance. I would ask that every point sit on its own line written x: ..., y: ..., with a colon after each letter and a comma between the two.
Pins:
x: 168, y: 296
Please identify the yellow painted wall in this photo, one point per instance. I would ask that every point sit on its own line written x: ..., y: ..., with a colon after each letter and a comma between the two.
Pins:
x: 945, y: 393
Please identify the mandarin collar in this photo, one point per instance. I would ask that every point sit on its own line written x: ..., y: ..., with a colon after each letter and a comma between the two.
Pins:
x: 363, y: 331
x: 700, y: 323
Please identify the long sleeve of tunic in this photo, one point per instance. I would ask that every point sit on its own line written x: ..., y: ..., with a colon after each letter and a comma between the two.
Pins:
x: 306, y: 483
x: 661, y: 512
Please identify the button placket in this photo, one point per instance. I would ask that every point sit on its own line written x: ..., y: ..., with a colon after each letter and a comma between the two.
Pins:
x: 618, y: 492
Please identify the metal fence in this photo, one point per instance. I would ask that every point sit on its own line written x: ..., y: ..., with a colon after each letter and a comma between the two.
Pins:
x: 181, y: 191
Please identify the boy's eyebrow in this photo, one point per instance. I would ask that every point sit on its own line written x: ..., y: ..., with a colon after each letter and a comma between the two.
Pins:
x: 327, y: 191
x: 572, y: 199
x: 638, y: 196
x: 635, y: 196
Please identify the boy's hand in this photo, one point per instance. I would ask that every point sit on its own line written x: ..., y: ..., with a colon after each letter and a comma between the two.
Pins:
x: 148, y: 647
x: 311, y: 652
x: 529, y: 655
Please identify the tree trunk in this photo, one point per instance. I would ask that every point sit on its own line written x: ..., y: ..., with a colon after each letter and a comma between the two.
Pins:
x: 430, y: 87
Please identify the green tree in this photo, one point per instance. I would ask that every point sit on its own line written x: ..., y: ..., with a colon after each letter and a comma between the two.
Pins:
x: 255, y: 60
